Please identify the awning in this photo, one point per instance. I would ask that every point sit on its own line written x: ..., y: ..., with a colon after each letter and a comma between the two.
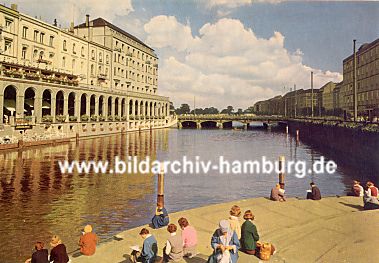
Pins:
x: 29, y: 102
x: 10, y: 105
x: 46, y: 105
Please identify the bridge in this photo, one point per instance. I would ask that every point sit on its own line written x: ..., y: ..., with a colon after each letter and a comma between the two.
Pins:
x: 224, y: 121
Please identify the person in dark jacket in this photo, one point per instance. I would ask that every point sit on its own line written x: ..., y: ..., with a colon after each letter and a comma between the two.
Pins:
x: 40, y: 255
x: 59, y: 253
x: 160, y: 218
x: 314, y: 193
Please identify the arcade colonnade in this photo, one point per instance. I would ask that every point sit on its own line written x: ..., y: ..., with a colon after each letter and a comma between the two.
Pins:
x: 55, y: 104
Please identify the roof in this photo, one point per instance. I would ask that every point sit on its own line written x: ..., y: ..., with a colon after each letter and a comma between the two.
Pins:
x: 100, y: 22
x: 363, y: 48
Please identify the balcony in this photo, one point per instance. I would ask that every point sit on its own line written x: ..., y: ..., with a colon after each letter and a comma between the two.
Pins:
x: 101, y: 76
x: 14, y: 70
x: 148, y: 62
x: 118, y: 49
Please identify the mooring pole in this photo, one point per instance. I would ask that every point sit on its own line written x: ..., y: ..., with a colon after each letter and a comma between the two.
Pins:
x: 160, y: 192
x: 281, y: 171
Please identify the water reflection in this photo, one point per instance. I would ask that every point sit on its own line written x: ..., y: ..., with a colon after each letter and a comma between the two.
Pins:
x: 36, y: 201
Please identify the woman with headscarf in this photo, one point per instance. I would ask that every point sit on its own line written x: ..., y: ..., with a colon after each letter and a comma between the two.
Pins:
x: 225, y: 244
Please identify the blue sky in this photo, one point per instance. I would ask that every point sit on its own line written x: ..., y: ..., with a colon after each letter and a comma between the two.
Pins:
x: 243, y: 50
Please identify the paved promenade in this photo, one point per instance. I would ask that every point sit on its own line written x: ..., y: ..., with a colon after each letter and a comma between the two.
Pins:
x: 330, y: 230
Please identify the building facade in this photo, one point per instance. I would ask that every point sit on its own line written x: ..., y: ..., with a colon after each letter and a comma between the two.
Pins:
x: 92, y: 72
x: 367, y: 80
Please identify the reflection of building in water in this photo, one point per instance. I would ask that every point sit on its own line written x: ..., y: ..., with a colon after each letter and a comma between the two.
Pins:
x: 32, y: 189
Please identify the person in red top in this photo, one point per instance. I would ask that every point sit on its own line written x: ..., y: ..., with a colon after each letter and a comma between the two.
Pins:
x: 88, y: 241
x: 371, y: 189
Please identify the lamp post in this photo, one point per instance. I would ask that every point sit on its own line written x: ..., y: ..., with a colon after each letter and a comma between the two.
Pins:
x: 312, y: 93
x: 355, y: 82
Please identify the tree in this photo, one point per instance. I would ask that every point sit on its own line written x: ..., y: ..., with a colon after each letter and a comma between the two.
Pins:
x: 228, y: 110
x: 184, y: 109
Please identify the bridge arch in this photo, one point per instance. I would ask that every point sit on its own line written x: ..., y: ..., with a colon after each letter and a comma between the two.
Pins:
x: 209, y: 124
x: 189, y: 124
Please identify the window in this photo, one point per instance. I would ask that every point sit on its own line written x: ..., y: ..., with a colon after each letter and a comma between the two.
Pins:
x: 100, y: 57
x: 106, y: 72
x: 35, y: 53
x: 107, y: 59
x: 8, y: 22
x: 93, y: 54
x: 73, y: 48
x: 82, y: 51
x: 63, y: 62
x: 92, y: 70
x: 23, y: 52
x: 64, y: 45
x: 24, y: 32
x: 73, y: 63
x: 41, y: 37
x: 35, y: 35
x: 8, y: 45
x: 41, y: 55
x: 51, y: 41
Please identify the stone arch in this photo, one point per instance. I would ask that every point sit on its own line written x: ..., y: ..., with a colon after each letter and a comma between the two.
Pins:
x: 131, y: 107
x: 29, y: 101
x: 71, y: 103
x: 59, y: 103
x: 83, y: 104
x: 109, y: 103
x: 46, y: 102
x: 123, y: 107
x: 136, y: 107
x: 9, y: 102
x: 116, y: 108
x: 101, y: 105
x: 92, y: 103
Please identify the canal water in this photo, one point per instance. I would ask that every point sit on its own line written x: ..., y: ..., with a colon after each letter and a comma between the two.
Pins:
x: 37, y: 201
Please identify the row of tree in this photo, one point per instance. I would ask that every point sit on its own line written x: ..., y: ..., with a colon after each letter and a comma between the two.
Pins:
x: 185, y: 109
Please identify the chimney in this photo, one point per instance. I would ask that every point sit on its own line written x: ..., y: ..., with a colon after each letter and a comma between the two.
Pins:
x: 87, y: 20
x: 14, y: 7
x: 55, y: 22
x: 72, y: 27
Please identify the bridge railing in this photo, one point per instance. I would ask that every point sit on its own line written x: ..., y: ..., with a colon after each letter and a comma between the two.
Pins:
x: 227, y: 117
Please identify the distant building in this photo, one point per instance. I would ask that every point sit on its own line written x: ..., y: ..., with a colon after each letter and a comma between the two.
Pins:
x: 326, y: 98
x: 367, y: 80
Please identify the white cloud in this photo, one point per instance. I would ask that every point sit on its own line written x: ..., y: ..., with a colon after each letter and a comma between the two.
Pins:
x: 226, y: 64
x: 67, y: 10
x: 166, y: 31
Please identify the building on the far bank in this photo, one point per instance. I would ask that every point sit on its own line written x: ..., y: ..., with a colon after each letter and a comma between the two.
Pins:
x: 367, y: 80
x: 336, y: 99
x: 326, y: 98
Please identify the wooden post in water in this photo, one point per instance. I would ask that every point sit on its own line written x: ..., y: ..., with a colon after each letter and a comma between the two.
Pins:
x: 297, y: 135
x: 160, y: 192
x: 287, y: 129
x: 281, y: 173
x: 77, y: 137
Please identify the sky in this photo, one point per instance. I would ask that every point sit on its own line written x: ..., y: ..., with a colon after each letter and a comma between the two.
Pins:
x: 231, y: 52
